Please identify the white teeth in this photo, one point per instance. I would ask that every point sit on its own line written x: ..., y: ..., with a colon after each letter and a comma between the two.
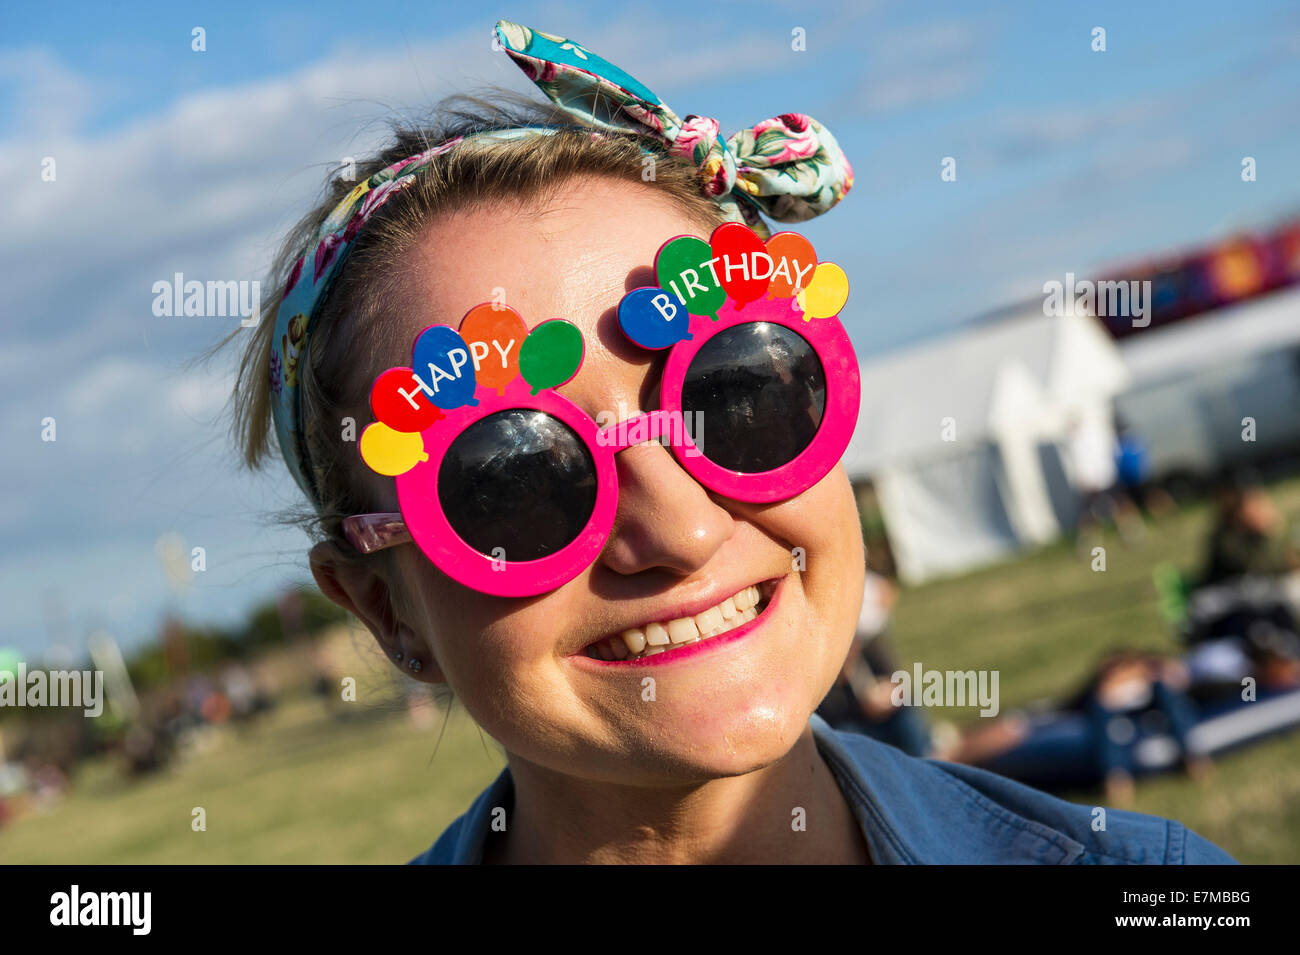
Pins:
x: 656, y: 635
x: 682, y: 629
x: 709, y: 620
x: 634, y: 639
x: 637, y: 642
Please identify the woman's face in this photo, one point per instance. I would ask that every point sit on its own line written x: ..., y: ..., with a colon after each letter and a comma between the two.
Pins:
x: 521, y: 666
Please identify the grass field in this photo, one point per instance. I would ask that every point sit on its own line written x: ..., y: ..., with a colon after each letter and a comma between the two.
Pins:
x: 302, y: 787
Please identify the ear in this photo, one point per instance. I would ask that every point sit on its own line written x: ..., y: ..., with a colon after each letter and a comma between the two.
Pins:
x: 362, y: 591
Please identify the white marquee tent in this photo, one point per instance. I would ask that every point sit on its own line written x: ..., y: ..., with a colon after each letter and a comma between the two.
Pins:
x: 1196, y: 381
x: 976, y: 442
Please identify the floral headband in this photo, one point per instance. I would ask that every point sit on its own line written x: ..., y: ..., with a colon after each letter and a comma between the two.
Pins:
x: 789, y: 168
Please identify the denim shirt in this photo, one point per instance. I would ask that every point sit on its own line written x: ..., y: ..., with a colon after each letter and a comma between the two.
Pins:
x: 921, y: 811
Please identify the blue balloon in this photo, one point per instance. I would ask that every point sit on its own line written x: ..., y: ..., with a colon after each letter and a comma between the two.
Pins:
x: 444, y: 367
x: 653, y: 318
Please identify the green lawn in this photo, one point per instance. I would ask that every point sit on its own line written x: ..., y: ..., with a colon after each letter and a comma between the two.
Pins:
x: 302, y: 787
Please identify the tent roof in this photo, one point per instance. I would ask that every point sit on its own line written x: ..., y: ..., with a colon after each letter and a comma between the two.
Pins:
x: 982, y: 376
x: 1270, y: 322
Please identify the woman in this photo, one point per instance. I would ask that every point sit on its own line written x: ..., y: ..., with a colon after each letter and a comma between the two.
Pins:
x: 623, y: 744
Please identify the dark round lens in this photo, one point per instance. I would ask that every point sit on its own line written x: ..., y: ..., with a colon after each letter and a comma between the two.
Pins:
x: 761, y: 392
x: 519, y: 480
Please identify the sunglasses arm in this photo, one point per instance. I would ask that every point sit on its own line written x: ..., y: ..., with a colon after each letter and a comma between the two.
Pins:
x: 369, y: 533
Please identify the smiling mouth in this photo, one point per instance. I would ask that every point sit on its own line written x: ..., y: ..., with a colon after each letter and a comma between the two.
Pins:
x: 659, y: 637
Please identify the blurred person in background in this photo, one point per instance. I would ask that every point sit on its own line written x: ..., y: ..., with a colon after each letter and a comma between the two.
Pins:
x: 1132, y: 470
x: 860, y: 698
x: 1104, y: 495
x: 1248, y: 536
x: 1130, y: 685
x: 1096, y: 735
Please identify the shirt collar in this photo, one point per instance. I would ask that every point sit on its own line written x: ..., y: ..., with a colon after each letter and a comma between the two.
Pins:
x: 913, y: 811
x: 474, y: 826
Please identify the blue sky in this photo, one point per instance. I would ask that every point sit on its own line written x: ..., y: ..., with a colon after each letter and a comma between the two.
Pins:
x: 170, y: 160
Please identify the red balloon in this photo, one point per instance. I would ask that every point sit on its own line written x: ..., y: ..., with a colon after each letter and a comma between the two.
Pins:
x: 395, y: 409
x: 741, y: 263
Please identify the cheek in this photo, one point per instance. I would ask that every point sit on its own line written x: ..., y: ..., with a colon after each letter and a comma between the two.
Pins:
x: 824, y: 522
x: 498, y: 659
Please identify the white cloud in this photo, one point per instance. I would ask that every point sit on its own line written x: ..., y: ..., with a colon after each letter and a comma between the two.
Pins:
x: 46, y: 98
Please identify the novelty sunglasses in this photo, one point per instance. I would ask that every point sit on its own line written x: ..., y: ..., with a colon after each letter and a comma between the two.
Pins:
x: 511, y: 489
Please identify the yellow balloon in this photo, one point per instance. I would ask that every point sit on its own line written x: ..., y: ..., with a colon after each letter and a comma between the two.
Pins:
x: 826, y: 293
x: 391, y: 452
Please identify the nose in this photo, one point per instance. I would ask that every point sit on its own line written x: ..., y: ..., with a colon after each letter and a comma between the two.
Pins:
x: 666, y: 519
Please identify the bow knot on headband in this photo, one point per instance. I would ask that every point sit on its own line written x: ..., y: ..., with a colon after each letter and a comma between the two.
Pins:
x: 789, y: 168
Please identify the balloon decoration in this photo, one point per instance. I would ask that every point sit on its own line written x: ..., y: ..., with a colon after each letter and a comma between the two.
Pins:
x: 653, y: 318
x: 740, y: 262
x: 493, y: 346
x: 825, y: 294
x: 793, y: 261
x: 443, y: 364
x: 391, y: 452
x: 551, y: 354
x: 494, y: 334
x: 683, y: 268
x: 492, y: 349
x: 698, y: 278
x: 398, y: 401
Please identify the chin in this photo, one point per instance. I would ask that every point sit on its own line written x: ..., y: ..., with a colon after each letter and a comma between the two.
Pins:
x: 751, y: 736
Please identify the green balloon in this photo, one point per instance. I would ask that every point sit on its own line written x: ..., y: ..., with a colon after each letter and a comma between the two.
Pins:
x: 673, y: 267
x: 551, y: 354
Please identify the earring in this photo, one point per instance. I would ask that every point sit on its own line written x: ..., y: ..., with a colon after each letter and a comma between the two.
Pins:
x: 397, y: 655
x: 415, y: 665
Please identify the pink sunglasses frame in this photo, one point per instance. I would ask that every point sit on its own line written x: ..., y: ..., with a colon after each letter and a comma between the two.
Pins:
x: 423, y: 521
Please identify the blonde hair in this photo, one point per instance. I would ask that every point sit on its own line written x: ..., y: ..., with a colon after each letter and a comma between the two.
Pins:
x: 353, y: 337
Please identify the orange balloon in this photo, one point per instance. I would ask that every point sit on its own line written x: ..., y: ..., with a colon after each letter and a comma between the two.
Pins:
x: 494, y: 334
x: 792, y: 257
